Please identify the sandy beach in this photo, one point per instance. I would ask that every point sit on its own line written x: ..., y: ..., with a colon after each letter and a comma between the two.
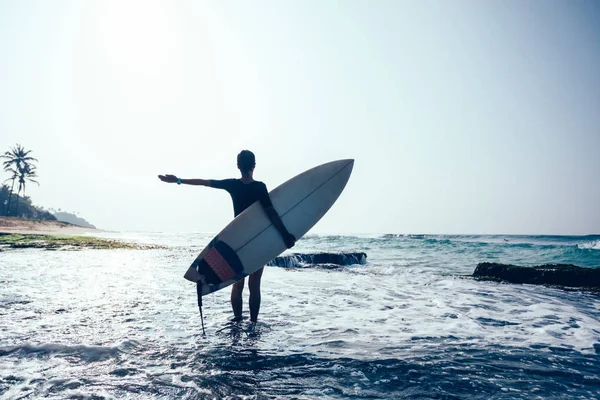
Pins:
x: 33, y: 226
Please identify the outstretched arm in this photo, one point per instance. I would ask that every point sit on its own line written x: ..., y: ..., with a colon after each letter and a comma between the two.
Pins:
x: 174, y: 179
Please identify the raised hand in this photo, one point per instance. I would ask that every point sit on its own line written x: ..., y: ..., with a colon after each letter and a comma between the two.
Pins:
x: 168, y: 178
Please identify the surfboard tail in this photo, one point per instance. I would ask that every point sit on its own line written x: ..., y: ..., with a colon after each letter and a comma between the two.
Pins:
x: 192, y: 275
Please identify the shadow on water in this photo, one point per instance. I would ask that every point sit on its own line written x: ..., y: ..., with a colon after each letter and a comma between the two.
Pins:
x: 455, y: 373
x: 235, y: 365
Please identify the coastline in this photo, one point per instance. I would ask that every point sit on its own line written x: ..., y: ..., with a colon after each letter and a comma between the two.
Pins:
x: 26, y: 226
x: 22, y: 233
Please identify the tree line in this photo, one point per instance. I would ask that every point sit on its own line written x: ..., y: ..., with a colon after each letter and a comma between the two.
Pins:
x: 21, y: 166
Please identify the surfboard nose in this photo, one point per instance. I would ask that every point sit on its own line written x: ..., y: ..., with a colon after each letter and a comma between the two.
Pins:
x: 339, y: 170
x: 343, y: 163
x: 350, y: 161
x: 347, y: 164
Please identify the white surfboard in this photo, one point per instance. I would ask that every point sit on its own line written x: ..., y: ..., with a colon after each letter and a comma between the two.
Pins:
x: 250, y: 240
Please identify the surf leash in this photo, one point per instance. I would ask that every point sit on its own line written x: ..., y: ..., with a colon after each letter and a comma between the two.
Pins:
x: 199, y: 291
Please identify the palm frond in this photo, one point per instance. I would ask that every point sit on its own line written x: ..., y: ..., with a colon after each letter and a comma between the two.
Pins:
x: 12, y: 171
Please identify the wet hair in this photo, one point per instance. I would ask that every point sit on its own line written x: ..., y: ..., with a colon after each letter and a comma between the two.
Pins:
x: 246, y: 161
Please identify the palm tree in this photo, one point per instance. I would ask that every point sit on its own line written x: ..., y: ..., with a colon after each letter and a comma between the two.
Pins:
x: 27, y: 173
x: 17, y: 156
x: 14, y: 175
x: 17, y: 159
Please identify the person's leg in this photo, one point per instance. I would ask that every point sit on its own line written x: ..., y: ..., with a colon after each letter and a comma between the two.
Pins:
x: 254, y: 286
x: 236, y: 298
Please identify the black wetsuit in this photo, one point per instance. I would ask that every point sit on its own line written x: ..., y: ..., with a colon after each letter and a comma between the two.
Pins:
x: 244, y: 194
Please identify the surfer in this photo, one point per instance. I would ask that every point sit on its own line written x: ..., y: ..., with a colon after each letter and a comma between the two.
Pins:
x: 244, y: 192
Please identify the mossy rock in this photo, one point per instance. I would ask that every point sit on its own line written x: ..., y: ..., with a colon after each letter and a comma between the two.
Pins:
x: 60, y: 242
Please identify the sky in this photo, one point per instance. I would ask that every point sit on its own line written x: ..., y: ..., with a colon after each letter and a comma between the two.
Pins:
x: 464, y: 117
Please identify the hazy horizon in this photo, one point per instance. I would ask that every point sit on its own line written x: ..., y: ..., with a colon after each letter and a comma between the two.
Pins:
x: 463, y: 118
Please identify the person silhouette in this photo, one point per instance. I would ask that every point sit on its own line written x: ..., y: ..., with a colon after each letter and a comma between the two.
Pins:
x: 244, y: 192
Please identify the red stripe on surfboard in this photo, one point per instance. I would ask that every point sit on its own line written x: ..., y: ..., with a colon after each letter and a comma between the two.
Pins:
x: 219, y: 265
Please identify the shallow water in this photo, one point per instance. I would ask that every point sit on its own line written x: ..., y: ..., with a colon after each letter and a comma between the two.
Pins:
x: 124, y: 323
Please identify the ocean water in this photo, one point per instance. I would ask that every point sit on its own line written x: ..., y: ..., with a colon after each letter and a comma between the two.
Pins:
x: 95, y: 324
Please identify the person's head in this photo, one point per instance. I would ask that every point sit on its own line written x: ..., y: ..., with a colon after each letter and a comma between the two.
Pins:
x: 246, y: 161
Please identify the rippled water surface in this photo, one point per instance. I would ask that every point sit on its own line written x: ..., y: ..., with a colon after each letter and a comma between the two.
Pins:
x: 124, y: 323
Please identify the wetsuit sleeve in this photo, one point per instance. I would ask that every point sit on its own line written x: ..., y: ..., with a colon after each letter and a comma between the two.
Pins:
x: 226, y: 184
x: 264, y: 198
x: 265, y: 201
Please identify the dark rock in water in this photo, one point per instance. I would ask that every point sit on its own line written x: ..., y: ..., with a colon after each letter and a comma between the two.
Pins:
x: 335, y: 259
x: 550, y: 274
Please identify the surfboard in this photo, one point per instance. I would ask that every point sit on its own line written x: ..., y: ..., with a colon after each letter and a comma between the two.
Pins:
x: 250, y: 241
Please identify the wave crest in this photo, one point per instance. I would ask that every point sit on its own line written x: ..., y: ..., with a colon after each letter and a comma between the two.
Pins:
x: 84, y: 352
x: 321, y: 259
x: 593, y: 245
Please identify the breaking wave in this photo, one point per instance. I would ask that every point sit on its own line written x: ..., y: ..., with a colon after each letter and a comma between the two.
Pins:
x: 322, y: 259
